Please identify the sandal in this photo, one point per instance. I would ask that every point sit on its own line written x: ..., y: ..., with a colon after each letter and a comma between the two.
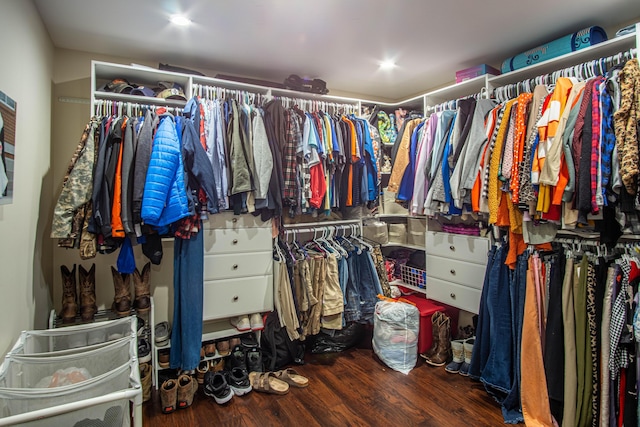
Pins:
x: 291, y: 377
x: 267, y: 382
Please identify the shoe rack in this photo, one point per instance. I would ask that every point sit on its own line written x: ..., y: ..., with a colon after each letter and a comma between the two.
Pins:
x: 211, y: 331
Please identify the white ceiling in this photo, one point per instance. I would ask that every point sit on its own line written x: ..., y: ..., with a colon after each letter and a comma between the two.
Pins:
x: 339, y: 41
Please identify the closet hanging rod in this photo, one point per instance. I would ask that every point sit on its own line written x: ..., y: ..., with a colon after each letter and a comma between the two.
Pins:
x: 582, y: 71
x: 595, y: 243
x: 322, y: 223
x: 453, y: 103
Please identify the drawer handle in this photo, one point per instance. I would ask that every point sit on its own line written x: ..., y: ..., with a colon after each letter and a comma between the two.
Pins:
x: 234, y: 220
x: 235, y: 241
x: 452, y: 295
x: 453, y: 248
x: 235, y: 266
x: 452, y: 271
x: 235, y: 298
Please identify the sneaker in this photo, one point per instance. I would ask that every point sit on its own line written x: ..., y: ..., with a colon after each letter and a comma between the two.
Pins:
x: 248, y: 341
x: 254, y: 360
x: 255, y: 321
x: 140, y: 325
x: 144, y: 351
x: 237, y: 359
x: 241, y: 323
x: 162, y: 334
x: 216, y: 386
x: 238, y: 380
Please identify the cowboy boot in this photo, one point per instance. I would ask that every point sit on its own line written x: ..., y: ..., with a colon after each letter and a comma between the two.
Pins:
x: 69, y: 295
x: 435, y: 322
x: 443, y: 352
x: 122, y: 296
x: 142, y: 302
x: 88, y: 306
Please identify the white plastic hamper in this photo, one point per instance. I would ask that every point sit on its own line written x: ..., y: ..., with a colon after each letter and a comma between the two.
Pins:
x: 114, y: 384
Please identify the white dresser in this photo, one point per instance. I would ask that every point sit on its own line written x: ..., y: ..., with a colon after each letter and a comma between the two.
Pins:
x: 238, y: 264
x: 455, y: 268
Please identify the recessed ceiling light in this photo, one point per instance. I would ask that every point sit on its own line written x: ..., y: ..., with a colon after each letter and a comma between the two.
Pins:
x: 387, y: 64
x: 180, y: 20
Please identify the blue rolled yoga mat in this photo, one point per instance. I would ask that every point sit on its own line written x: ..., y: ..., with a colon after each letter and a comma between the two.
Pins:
x: 569, y: 43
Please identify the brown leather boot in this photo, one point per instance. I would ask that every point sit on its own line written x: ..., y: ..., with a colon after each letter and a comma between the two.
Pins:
x: 442, y: 354
x: 69, y: 295
x: 435, y: 321
x: 87, y: 280
x: 122, y: 296
x: 142, y: 302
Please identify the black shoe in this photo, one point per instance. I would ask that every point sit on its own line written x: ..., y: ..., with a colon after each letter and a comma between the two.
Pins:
x: 249, y: 340
x: 237, y: 358
x: 254, y: 360
x: 144, y: 350
x: 238, y: 380
x: 216, y: 386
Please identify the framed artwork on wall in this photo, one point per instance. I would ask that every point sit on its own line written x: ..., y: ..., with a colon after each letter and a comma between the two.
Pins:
x: 7, y: 147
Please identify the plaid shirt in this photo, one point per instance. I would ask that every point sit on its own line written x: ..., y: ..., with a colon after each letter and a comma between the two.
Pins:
x: 293, y: 138
x: 608, y: 141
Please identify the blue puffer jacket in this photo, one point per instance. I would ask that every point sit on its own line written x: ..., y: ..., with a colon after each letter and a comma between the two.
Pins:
x: 165, y: 199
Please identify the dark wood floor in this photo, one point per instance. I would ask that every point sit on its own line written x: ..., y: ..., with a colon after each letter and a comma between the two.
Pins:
x: 348, y: 389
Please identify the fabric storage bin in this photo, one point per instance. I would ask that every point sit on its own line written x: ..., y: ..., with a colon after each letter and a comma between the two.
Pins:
x: 124, y: 380
x: 389, y: 205
x: 415, y: 231
x: 26, y: 371
x: 70, y: 339
x: 376, y: 231
x: 427, y: 307
x: 398, y: 233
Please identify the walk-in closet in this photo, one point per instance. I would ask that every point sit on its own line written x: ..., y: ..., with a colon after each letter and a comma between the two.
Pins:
x: 346, y: 213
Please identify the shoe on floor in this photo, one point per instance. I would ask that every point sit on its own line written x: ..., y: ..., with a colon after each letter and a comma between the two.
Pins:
x: 253, y: 358
x: 187, y: 387
x: 169, y: 396
x: 216, y: 386
x: 162, y: 333
x: 241, y: 323
x: 255, y: 321
x: 238, y: 380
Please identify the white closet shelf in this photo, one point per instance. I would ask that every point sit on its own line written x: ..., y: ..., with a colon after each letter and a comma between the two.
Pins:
x: 403, y: 245
x: 140, y: 75
x: 600, y: 50
x: 143, y: 100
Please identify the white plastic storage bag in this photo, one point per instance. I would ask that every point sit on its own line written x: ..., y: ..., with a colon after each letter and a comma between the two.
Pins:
x: 395, y: 334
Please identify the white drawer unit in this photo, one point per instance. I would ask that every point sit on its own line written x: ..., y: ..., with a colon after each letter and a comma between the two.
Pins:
x: 464, y: 248
x: 453, y: 294
x: 227, y: 220
x: 456, y: 267
x: 451, y: 270
x: 237, y: 240
x: 233, y: 297
x: 228, y: 266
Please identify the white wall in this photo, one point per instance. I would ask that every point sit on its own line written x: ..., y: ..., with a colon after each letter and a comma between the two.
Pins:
x: 25, y: 254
